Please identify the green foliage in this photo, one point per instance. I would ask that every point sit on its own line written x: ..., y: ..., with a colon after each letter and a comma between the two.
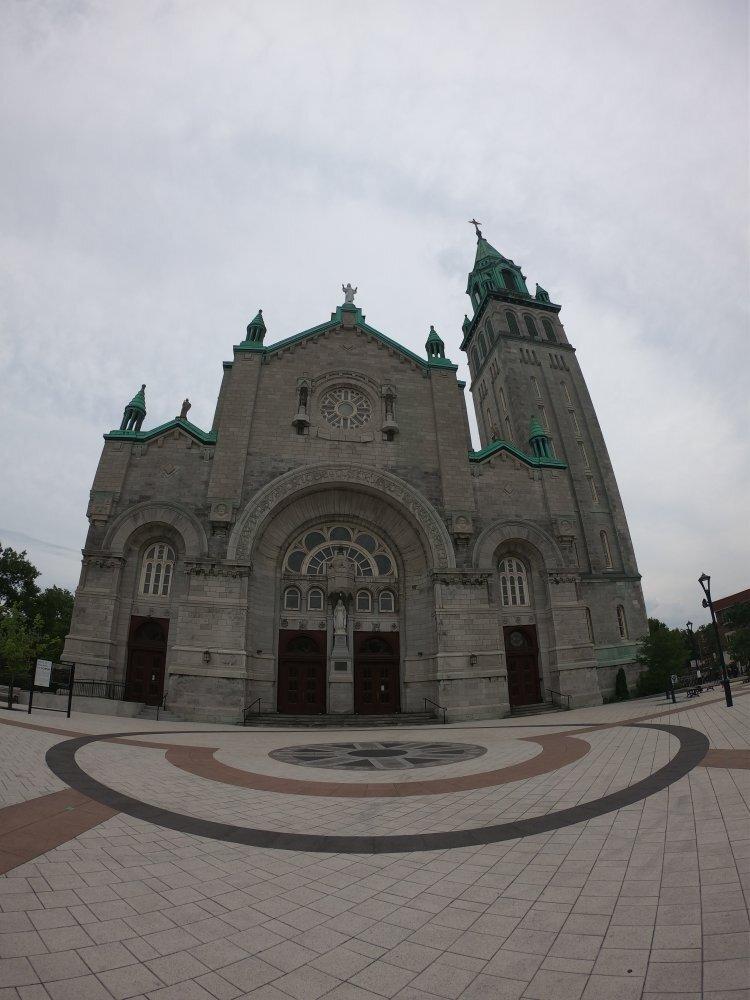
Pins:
x: 33, y: 622
x: 662, y: 652
x: 737, y: 626
x: 621, y: 686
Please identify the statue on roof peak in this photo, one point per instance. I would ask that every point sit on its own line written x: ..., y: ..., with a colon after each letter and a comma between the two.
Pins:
x: 349, y: 293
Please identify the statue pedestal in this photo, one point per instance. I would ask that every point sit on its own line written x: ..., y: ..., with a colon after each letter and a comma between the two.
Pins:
x: 340, y: 677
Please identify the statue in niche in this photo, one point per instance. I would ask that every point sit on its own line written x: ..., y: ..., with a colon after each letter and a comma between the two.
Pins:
x: 339, y: 618
x: 349, y: 293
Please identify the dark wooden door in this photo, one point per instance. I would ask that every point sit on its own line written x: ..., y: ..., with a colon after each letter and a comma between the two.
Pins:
x: 376, y: 673
x: 522, y: 658
x: 302, y: 672
x: 147, y: 656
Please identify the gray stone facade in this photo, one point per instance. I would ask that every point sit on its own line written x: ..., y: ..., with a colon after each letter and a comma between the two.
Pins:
x: 339, y: 429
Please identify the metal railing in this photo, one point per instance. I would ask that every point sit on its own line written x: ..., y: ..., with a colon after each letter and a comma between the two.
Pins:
x: 248, y: 710
x: 114, y: 690
x: 554, y: 695
x: 428, y: 701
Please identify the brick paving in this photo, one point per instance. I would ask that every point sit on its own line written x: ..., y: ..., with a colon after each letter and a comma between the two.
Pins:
x: 649, y: 900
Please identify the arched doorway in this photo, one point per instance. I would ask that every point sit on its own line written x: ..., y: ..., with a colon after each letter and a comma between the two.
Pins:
x: 147, y: 656
x: 376, y: 673
x: 302, y: 672
x: 522, y: 659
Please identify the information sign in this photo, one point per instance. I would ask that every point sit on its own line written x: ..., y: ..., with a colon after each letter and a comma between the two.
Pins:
x: 43, y: 673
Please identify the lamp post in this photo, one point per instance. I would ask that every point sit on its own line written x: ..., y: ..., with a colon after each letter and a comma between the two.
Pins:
x: 693, y: 643
x: 705, y: 581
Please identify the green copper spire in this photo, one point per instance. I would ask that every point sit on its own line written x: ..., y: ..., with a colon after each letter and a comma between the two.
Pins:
x: 256, y: 329
x: 434, y: 345
x: 135, y: 411
x: 492, y: 272
x: 542, y: 295
x: 539, y: 439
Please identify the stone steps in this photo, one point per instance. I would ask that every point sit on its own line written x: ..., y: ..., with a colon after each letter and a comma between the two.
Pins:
x: 341, y: 720
x: 542, y: 708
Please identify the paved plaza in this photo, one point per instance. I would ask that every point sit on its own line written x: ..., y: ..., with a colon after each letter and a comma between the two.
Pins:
x: 600, y: 853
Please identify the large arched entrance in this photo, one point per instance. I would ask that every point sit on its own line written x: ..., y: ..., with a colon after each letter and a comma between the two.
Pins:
x: 302, y: 672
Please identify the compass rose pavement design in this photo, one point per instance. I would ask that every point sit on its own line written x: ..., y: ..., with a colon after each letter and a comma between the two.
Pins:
x: 383, y: 755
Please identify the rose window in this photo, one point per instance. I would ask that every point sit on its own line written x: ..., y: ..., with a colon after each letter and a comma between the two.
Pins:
x: 310, y: 553
x: 345, y: 408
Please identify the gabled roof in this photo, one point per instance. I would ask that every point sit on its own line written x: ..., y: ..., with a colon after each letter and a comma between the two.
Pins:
x: 204, y: 437
x: 336, y: 321
x: 498, y: 446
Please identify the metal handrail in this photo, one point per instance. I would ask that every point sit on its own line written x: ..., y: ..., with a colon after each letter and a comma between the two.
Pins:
x: 429, y: 701
x: 560, y: 695
x: 248, y: 709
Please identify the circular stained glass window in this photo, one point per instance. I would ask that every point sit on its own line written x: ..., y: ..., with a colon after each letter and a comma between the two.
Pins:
x: 345, y: 408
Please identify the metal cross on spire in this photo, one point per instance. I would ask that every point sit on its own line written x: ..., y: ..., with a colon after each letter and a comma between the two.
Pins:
x: 476, y: 225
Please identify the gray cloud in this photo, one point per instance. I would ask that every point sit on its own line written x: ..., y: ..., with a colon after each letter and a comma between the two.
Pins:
x: 169, y: 167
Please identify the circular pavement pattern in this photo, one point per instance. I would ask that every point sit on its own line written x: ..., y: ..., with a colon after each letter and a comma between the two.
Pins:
x: 61, y: 760
x: 391, y: 755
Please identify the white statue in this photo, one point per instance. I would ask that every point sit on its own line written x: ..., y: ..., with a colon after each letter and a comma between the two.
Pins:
x: 339, y: 618
x: 349, y: 293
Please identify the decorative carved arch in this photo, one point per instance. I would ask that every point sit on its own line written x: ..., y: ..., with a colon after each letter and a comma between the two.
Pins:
x: 188, y: 526
x: 417, y: 509
x: 507, y: 531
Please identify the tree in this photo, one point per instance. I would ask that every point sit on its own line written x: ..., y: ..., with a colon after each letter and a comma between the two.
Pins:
x: 18, y: 641
x: 621, y: 686
x: 662, y: 652
x: 53, y: 609
x: 736, y: 623
x: 17, y: 579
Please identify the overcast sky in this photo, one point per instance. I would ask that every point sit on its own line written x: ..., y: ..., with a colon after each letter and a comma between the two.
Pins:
x: 168, y: 167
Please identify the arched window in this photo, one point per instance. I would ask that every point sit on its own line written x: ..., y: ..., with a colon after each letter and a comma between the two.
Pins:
x: 489, y: 331
x: 514, y: 586
x: 531, y: 326
x: 157, y: 569
x: 364, y: 600
x: 589, y: 625
x: 567, y: 393
x: 482, y: 346
x: 543, y: 417
x: 386, y: 601
x: 315, y: 600
x: 549, y: 331
x: 606, y: 551
x: 503, y: 401
x: 291, y: 599
x: 535, y: 384
x: 512, y: 324
x: 510, y: 280
x: 622, y: 625
x: 475, y: 359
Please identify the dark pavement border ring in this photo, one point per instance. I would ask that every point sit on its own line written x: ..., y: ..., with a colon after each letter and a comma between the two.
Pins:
x: 61, y: 761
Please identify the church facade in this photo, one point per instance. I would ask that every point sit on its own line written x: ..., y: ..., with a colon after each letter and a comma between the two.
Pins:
x: 334, y: 544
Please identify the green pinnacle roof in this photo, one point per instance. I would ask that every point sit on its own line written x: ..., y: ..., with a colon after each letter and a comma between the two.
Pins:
x: 485, y: 250
x: 205, y: 437
x: 258, y: 321
x: 138, y: 402
x: 536, y: 430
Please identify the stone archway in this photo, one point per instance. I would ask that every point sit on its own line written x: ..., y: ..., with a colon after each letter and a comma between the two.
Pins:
x: 148, y: 514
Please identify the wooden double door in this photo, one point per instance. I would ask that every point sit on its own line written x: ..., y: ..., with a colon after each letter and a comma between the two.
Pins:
x: 376, y: 673
x: 147, y: 657
x: 522, y: 658
x: 302, y: 672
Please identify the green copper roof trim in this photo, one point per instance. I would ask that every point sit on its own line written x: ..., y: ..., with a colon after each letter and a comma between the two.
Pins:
x: 497, y: 446
x: 536, y: 429
x: 205, y: 437
x: 251, y: 345
x: 336, y: 320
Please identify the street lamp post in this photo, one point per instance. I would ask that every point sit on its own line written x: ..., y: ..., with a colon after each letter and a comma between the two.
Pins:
x: 693, y: 643
x: 705, y: 581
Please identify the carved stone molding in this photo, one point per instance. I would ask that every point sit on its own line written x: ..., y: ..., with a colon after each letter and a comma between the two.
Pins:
x: 558, y: 578
x: 156, y: 513
x: 462, y: 578
x: 103, y: 562
x: 233, y: 571
x: 100, y: 506
x: 405, y: 497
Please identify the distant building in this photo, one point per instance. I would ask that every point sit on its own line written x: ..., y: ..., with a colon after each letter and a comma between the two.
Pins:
x: 725, y: 604
x: 334, y: 544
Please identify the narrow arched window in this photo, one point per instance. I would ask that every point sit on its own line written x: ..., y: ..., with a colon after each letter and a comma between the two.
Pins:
x: 566, y: 391
x: 503, y: 401
x: 509, y: 279
x: 589, y: 625
x: 315, y: 600
x: 606, y: 550
x: 482, y: 347
x: 543, y: 417
x: 475, y: 359
x: 514, y: 586
x: 549, y: 331
x: 512, y: 324
x: 157, y: 570
x: 531, y: 326
x: 291, y: 599
x: 622, y: 625
x: 364, y: 601
x: 489, y: 331
x: 535, y: 384
x: 386, y: 601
